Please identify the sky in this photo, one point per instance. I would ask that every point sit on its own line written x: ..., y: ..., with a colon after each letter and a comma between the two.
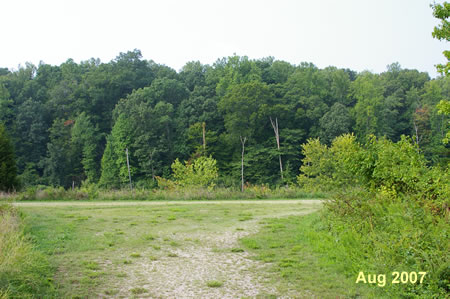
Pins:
x: 356, y: 34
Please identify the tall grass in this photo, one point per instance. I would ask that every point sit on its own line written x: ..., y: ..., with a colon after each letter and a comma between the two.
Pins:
x: 24, y: 272
x: 187, y: 193
x: 382, y: 234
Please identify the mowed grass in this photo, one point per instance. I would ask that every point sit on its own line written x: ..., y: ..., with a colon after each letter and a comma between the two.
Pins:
x: 302, y: 259
x: 94, y: 248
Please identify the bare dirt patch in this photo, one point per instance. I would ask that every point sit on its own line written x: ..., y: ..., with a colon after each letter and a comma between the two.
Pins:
x: 186, y: 273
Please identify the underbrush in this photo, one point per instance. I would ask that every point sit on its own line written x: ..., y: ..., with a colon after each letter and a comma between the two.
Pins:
x: 382, y: 235
x: 388, y: 210
x: 326, y: 253
x: 24, y: 272
x: 92, y: 192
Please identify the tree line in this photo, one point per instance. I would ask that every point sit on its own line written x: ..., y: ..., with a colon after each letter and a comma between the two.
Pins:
x: 71, y: 124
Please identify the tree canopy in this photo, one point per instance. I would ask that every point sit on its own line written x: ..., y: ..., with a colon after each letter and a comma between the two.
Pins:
x: 71, y: 124
x: 8, y: 170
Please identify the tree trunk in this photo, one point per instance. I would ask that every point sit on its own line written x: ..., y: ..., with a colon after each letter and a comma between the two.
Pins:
x: 277, y: 137
x: 129, y: 173
x: 204, y: 138
x: 417, y: 132
x: 418, y: 138
x: 151, y: 162
x: 243, y: 140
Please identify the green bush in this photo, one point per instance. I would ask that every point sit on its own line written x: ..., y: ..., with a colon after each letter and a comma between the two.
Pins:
x: 329, y: 168
x: 388, y: 211
x: 198, y: 172
x: 380, y: 165
x: 317, y: 168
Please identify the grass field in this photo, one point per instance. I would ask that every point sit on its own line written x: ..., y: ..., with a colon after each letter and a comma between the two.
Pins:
x: 213, y: 249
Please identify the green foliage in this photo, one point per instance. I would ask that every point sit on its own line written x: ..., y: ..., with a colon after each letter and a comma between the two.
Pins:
x: 199, y: 172
x: 109, y: 171
x: 381, y: 234
x: 24, y: 272
x: 442, y: 31
x: 389, y: 209
x: 294, y: 247
x: 61, y: 166
x: 317, y: 167
x: 6, y: 105
x: 444, y: 108
x: 8, y: 169
x: 85, y: 141
x: 380, y: 165
x: 121, y: 135
x: 240, y: 106
x: 335, y: 122
x: 393, y: 167
x: 61, y: 118
x: 368, y: 90
x: 168, y: 190
x: 329, y: 168
x: 32, y: 138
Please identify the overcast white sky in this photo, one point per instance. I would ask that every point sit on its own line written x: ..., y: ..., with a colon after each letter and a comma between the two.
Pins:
x: 356, y: 34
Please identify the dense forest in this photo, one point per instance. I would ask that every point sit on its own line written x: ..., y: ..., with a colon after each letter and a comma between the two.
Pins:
x: 71, y: 124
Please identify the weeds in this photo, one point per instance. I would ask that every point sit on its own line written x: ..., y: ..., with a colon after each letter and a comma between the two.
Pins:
x: 24, y: 272
x: 214, y: 284
x: 307, y: 256
x: 237, y: 250
x: 91, y: 265
x: 138, y: 291
x: 187, y: 193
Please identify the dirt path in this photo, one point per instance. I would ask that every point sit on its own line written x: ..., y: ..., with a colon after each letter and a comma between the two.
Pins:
x: 187, y: 275
x: 186, y: 271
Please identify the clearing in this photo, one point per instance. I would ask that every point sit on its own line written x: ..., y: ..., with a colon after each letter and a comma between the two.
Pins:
x: 158, y: 249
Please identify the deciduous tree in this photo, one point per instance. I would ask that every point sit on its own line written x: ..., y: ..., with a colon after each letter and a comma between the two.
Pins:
x: 8, y: 169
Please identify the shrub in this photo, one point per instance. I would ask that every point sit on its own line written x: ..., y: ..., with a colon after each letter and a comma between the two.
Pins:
x: 329, y: 168
x: 379, y: 165
x: 396, y: 167
x: 165, y: 183
x: 392, y: 214
x: 199, y: 172
x: 317, y: 168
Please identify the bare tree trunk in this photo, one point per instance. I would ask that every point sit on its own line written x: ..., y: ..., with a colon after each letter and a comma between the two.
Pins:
x: 418, y: 139
x: 243, y: 140
x: 151, y: 162
x: 129, y: 173
x: 204, y: 138
x: 417, y: 132
x: 277, y: 137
